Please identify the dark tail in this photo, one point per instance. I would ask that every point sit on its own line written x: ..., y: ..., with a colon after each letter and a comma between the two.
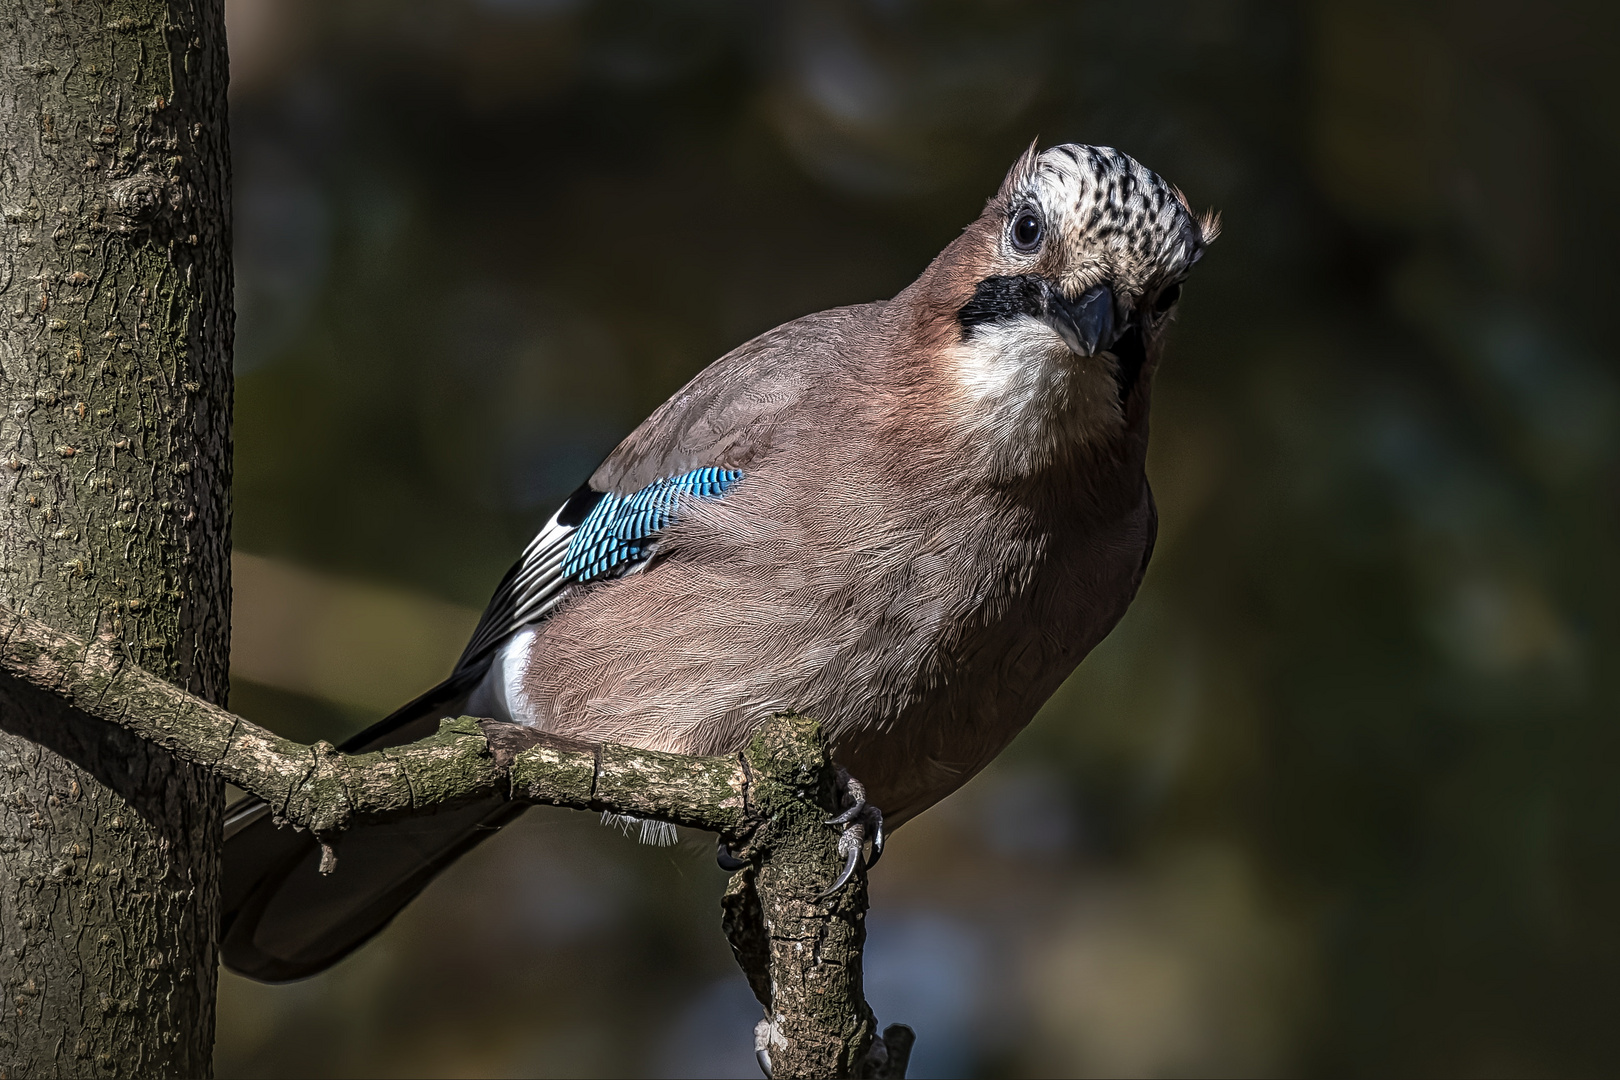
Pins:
x: 284, y: 919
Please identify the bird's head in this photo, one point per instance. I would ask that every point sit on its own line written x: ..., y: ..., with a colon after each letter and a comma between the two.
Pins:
x: 1057, y: 295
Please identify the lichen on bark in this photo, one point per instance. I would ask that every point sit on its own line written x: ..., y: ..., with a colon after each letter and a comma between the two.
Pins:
x: 799, y: 946
x: 817, y: 1021
x: 115, y: 334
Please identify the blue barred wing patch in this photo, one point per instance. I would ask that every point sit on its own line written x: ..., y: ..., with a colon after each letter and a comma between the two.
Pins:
x: 619, y: 529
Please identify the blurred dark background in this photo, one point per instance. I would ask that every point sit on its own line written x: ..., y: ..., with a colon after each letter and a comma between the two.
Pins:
x: 1339, y: 795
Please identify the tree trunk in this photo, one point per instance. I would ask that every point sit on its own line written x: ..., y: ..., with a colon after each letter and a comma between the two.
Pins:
x: 115, y: 334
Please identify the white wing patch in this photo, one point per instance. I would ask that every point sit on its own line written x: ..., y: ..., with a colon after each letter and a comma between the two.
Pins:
x: 541, y: 580
x: 532, y: 589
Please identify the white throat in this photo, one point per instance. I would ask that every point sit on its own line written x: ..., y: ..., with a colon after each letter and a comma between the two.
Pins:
x: 1027, y: 396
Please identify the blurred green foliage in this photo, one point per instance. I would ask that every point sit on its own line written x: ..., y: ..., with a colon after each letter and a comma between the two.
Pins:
x: 1336, y: 798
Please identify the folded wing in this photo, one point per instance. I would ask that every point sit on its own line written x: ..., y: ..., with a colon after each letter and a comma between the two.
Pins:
x: 283, y: 919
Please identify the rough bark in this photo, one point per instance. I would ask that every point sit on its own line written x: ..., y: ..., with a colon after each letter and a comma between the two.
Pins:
x: 318, y: 788
x: 114, y: 538
x: 800, y: 949
x: 115, y: 316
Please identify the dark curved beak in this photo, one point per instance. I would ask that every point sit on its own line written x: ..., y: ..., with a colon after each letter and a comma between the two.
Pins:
x: 1086, y: 323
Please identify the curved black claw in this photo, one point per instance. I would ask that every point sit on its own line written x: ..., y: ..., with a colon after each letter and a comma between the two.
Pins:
x: 858, y: 818
x: 875, y: 816
x: 849, y: 846
x: 729, y: 862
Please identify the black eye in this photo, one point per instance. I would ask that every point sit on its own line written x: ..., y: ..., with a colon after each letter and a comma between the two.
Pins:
x: 1026, y: 230
x: 1167, y: 299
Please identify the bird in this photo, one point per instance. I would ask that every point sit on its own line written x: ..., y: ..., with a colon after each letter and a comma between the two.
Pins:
x: 909, y: 519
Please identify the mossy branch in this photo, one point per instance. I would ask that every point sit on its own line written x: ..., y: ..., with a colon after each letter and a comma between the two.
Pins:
x: 319, y: 788
x: 801, y: 951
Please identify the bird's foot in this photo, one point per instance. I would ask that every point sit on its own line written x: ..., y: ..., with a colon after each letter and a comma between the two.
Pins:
x: 765, y: 1035
x: 858, y: 819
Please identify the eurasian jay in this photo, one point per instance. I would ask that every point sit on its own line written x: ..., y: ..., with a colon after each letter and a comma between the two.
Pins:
x: 909, y: 519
